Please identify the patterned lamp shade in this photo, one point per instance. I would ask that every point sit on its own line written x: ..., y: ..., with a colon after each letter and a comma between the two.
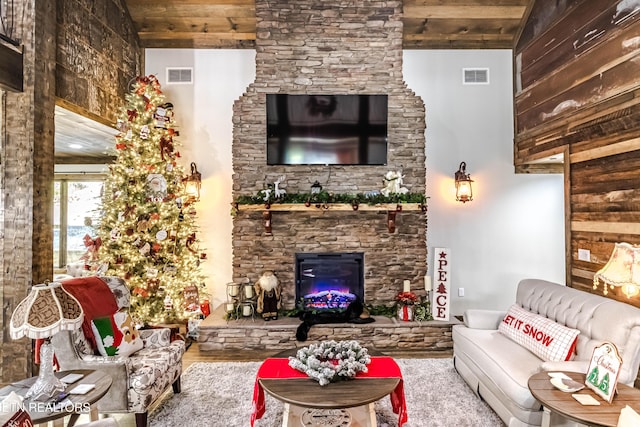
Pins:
x: 622, y: 270
x: 47, y: 310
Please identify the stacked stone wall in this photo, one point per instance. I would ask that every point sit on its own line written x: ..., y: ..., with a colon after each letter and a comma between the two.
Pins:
x: 330, y: 47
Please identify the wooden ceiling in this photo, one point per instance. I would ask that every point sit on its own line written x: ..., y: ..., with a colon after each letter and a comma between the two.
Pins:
x: 428, y: 24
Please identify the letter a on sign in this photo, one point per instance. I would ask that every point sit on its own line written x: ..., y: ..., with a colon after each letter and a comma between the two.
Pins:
x: 442, y: 286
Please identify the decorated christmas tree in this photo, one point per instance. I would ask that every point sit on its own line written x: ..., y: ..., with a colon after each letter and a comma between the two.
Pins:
x: 148, y: 228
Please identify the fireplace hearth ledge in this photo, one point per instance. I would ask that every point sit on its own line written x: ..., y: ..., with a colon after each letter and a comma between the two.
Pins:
x: 385, y: 334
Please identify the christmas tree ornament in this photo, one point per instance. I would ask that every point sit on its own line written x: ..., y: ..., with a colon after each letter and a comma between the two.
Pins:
x: 114, y: 234
x: 144, y: 132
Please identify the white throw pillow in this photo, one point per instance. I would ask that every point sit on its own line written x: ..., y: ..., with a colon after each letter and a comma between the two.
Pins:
x: 550, y: 341
x: 116, y: 335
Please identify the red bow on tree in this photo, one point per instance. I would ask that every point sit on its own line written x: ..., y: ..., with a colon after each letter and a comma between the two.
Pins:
x: 190, y: 241
x: 132, y: 114
x: 166, y: 146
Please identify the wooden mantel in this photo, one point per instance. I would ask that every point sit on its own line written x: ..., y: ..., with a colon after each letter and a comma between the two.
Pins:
x: 392, y: 210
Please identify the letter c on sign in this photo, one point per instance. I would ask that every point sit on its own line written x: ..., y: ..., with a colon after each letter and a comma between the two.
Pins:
x: 441, y: 299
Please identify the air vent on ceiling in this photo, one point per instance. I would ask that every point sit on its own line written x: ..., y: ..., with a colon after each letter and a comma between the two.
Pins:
x: 475, y: 76
x: 179, y: 75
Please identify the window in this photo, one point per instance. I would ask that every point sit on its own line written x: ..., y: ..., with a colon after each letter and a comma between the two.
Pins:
x: 76, y: 208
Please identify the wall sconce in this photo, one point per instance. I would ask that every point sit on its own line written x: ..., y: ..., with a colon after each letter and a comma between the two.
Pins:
x: 622, y: 270
x: 464, y: 192
x: 192, y: 184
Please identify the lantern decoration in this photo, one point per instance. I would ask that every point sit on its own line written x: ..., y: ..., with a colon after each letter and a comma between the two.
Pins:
x: 316, y: 188
x: 464, y: 192
x: 193, y: 183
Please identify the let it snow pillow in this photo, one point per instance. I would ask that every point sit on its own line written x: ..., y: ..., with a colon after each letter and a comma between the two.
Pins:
x: 116, y: 335
x: 545, y: 338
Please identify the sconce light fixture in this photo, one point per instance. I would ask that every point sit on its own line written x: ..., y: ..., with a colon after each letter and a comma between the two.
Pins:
x: 192, y: 184
x: 622, y: 270
x: 464, y: 192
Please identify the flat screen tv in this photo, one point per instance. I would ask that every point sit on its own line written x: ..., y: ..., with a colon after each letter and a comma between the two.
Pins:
x: 326, y: 129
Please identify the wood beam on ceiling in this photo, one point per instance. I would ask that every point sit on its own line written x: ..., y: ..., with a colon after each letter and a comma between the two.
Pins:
x: 181, y: 10
x: 200, y: 43
x: 84, y: 160
x: 459, y: 12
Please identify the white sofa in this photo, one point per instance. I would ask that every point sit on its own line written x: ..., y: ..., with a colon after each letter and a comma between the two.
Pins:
x: 497, y: 368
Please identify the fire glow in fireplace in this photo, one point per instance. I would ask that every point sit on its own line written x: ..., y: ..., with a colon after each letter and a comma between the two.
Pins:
x: 329, y: 281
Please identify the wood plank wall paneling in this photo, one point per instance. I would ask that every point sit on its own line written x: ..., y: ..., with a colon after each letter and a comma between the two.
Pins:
x: 603, y: 56
x: 577, y: 63
x: 574, y: 35
x: 605, y: 204
x: 543, y: 14
x: 99, y: 54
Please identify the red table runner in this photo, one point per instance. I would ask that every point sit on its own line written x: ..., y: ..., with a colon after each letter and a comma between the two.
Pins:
x: 380, y: 367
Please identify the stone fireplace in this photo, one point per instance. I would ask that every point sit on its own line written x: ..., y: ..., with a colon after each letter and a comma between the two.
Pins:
x: 330, y: 47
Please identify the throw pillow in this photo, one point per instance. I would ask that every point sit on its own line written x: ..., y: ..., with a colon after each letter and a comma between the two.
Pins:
x: 12, y: 413
x: 116, y: 335
x: 545, y: 338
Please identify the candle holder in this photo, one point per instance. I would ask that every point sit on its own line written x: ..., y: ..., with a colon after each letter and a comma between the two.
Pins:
x: 248, y: 304
x: 233, y: 289
x: 246, y: 309
x: 233, y: 300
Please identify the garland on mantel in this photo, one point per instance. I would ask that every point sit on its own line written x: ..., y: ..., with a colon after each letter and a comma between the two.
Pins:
x: 327, y: 197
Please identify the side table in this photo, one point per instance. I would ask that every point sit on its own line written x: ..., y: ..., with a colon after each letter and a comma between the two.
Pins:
x: 557, y: 402
x: 43, y: 412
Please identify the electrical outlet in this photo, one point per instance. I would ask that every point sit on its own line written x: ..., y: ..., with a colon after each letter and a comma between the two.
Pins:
x: 460, y: 292
x: 584, y: 255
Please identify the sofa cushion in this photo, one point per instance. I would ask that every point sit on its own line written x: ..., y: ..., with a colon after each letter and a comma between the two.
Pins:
x: 116, y: 335
x: 500, y: 362
x: 545, y: 338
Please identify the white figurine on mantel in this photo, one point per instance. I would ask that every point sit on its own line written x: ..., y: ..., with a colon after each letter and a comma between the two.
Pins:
x: 277, y: 191
x: 393, y: 184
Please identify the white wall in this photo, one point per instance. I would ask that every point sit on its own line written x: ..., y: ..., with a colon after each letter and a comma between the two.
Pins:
x: 204, y: 112
x: 513, y: 229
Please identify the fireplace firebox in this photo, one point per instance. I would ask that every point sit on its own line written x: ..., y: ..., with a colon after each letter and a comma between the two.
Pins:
x: 329, y: 281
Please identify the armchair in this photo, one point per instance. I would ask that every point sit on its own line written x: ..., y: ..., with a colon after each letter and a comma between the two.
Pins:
x: 140, y: 378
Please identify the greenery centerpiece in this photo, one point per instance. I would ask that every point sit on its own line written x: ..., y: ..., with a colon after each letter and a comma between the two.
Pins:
x: 330, y: 361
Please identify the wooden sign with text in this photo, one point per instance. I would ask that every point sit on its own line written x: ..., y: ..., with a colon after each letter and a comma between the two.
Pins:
x: 442, y: 284
x: 604, y: 368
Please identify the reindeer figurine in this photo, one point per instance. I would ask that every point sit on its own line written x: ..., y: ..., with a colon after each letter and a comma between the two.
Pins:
x: 277, y: 191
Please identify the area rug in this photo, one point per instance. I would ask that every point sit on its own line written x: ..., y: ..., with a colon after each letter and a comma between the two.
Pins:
x: 219, y: 394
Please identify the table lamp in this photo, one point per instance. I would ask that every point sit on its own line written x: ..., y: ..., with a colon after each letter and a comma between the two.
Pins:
x: 622, y: 270
x: 47, y: 310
